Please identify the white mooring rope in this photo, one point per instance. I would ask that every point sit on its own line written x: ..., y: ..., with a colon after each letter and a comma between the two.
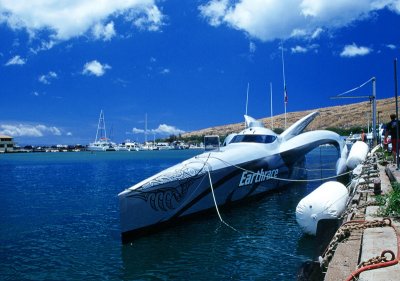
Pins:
x: 216, y: 205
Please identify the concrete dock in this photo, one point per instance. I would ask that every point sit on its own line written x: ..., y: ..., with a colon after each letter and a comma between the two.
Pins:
x: 368, y: 235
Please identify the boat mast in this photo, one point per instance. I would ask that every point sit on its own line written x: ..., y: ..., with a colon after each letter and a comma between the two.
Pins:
x: 145, y: 129
x: 272, y: 119
x: 247, y: 101
x: 285, y: 98
x: 247, y: 96
x: 101, y: 127
x: 111, y: 131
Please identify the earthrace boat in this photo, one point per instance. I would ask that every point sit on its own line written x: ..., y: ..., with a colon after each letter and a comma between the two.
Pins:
x: 250, y: 163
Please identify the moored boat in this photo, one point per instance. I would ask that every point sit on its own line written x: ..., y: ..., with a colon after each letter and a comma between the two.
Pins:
x: 101, y: 142
x: 254, y: 162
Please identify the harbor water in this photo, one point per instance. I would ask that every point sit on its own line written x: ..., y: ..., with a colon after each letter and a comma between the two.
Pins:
x: 59, y: 220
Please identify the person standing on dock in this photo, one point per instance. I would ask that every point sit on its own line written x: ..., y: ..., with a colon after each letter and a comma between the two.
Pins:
x: 363, y: 136
x: 391, y: 128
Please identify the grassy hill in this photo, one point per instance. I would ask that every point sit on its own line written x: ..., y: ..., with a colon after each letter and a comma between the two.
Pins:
x: 343, y: 117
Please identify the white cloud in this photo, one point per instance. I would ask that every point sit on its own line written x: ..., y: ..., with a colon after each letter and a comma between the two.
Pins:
x: 16, y: 60
x: 270, y: 20
x: 214, y: 11
x: 24, y: 130
x: 150, y: 18
x: 354, y: 50
x: 299, y: 49
x: 252, y: 47
x: 165, y: 129
x: 74, y: 18
x: 165, y: 71
x: 391, y: 46
x: 44, y: 46
x: 137, y: 131
x: 105, y: 32
x: 317, y: 33
x: 46, y: 78
x: 298, y: 32
x: 304, y: 49
x: 69, y: 134
x: 95, y: 68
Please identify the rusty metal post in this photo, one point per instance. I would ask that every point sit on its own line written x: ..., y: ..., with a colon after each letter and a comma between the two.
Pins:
x: 377, y: 187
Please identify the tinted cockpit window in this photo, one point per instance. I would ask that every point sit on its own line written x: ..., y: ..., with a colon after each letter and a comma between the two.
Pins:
x: 254, y: 138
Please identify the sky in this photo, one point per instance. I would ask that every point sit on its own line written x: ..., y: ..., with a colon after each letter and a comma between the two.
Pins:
x: 187, y: 65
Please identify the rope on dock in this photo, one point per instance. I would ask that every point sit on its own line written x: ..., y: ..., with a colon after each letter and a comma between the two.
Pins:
x: 345, y: 231
x: 354, y: 275
x: 379, y: 261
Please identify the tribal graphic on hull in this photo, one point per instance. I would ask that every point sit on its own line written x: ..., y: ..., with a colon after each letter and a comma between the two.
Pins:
x: 180, y: 174
x: 250, y: 164
x: 166, y: 198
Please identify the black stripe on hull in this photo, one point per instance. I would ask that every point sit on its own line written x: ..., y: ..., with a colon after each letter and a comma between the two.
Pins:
x: 221, y: 181
x: 130, y: 236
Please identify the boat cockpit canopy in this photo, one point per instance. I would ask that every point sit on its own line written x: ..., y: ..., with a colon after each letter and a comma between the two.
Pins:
x: 253, y: 138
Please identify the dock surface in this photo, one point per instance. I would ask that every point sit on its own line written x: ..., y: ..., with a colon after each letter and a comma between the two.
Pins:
x: 366, y: 241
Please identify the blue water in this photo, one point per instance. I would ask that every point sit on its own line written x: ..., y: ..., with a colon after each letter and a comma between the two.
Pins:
x: 59, y: 220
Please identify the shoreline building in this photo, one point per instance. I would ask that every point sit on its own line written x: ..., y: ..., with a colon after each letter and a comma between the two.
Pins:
x: 6, y: 144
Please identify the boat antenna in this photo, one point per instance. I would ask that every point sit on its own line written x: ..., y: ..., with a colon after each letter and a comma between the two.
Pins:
x: 272, y: 119
x: 247, y: 96
x: 285, y: 98
x: 247, y: 101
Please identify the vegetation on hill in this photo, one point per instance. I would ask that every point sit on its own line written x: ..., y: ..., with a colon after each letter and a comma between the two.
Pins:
x: 344, y: 120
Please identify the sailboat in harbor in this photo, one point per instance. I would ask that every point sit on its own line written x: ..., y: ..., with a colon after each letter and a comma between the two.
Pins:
x: 101, y: 142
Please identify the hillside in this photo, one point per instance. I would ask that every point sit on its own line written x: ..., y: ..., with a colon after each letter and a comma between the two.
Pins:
x: 343, y: 116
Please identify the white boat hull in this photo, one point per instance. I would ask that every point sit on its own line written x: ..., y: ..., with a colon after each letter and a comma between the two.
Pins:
x: 251, y: 164
x: 166, y: 203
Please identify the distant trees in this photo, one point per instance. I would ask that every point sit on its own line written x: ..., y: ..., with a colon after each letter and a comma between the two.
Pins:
x: 347, y: 131
x: 278, y: 131
x: 200, y: 138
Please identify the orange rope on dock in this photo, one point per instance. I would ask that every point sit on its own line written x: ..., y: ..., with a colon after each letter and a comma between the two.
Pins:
x: 344, y: 232
x: 391, y: 262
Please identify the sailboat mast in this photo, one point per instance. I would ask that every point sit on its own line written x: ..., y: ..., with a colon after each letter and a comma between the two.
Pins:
x: 284, y: 83
x: 100, y: 126
x: 272, y: 119
x: 104, y: 126
x: 145, y: 129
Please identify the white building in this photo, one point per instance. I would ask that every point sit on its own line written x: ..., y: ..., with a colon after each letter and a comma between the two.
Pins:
x: 6, y: 143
